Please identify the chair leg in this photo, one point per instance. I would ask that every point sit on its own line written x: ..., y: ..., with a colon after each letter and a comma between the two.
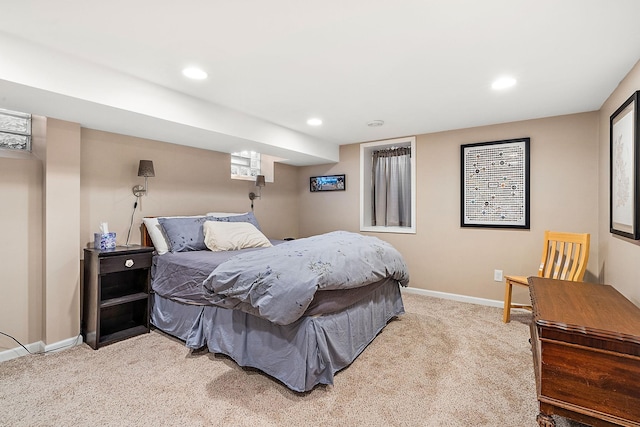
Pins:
x: 506, y: 316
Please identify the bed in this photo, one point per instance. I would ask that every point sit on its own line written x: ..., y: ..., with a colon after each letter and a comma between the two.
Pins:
x: 299, y: 310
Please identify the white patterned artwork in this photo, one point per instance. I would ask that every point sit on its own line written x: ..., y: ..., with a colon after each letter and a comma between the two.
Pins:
x: 623, y: 173
x: 495, y: 189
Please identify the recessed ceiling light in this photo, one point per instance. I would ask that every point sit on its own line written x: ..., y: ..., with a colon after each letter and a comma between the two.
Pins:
x: 194, y: 73
x: 314, y: 122
x: 375, y: 123
x: 503, y: 83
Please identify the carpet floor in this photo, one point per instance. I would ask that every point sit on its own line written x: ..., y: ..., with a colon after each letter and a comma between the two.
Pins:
x: 443, y: 363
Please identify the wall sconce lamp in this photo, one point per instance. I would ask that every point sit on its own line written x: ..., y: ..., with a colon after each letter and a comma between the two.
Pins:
x: 144, y: 169
x: 260, y: 182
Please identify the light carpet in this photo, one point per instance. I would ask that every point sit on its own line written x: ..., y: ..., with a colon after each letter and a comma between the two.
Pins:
x: 443, y: 363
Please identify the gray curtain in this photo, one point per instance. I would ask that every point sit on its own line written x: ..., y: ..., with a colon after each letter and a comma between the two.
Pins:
x: 392, y: 187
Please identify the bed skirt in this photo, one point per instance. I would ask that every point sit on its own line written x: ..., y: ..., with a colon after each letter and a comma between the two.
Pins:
x: 300, y: 355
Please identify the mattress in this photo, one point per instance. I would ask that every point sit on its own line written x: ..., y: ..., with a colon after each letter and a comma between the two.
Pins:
x: 179, y: 276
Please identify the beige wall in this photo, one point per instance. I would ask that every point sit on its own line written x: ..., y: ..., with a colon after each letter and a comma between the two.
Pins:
x: 444, y: 257
x: 61, y: 218
x: 21, y: 255
x: 40, y: 276
x: 619, y: 257
x: 188, y: 181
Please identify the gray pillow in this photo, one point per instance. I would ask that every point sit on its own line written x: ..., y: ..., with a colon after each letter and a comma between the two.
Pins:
x: 248, y: 217
x: 186, y: 234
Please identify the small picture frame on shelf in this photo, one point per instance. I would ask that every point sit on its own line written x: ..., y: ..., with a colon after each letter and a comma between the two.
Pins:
x: 327, y: 183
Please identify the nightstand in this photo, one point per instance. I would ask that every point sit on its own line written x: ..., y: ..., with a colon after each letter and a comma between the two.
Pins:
x: 116, y: 294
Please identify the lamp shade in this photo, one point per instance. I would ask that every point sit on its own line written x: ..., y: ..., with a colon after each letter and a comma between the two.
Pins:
x: 260, y: 181
x: 146, y: 168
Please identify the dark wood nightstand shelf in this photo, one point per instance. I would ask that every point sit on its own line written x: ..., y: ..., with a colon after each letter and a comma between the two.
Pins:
x: 116, y: 294
x: 124, y: 299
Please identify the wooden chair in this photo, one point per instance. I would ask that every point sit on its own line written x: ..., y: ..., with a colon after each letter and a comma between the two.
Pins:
x: 564, y: 257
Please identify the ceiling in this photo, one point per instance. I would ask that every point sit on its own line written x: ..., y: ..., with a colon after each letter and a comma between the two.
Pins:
x: 421, y: 66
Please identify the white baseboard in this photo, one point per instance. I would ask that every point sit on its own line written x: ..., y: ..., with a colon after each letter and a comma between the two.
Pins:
x: 36, y: 347
x: 455, y: 297
x: 64, y: 344
x: 39, y: 347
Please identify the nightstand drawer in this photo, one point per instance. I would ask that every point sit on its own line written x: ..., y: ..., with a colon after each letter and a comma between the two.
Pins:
x: 124, y: 262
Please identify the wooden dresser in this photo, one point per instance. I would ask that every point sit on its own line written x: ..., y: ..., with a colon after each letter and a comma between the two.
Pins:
x: 586, y: 353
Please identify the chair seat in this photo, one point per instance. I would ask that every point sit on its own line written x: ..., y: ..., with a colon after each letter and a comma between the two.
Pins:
x: 517, y: 280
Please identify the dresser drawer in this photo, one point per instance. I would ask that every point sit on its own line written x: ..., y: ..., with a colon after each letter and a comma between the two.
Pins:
x: 124, y: 262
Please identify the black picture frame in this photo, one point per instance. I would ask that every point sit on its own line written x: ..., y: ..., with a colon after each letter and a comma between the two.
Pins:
x: 327, y: 183
x: 624, y: 160
x: 494, y: 184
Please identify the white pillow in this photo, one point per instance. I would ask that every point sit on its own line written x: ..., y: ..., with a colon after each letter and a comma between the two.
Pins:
x: 224, y: 214
x: 156, y: 233
x: 233, y: 236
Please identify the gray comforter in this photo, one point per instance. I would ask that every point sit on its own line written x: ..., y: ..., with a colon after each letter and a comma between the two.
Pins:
x: 279, y: 283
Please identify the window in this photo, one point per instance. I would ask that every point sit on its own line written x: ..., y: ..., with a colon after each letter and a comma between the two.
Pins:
x: 15, y: 130
x: 387, y: 186
x: 245, y: 165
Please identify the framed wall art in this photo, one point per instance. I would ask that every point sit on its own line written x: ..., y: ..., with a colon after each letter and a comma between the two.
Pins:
x: 327, y: 183
x: 623, y: 168
x: 495, y: 184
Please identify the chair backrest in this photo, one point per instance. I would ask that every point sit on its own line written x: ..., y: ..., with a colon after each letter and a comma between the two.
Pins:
x: 564, y: 256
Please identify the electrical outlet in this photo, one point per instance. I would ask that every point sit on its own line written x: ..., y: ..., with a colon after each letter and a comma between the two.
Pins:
x: 497, y: 275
